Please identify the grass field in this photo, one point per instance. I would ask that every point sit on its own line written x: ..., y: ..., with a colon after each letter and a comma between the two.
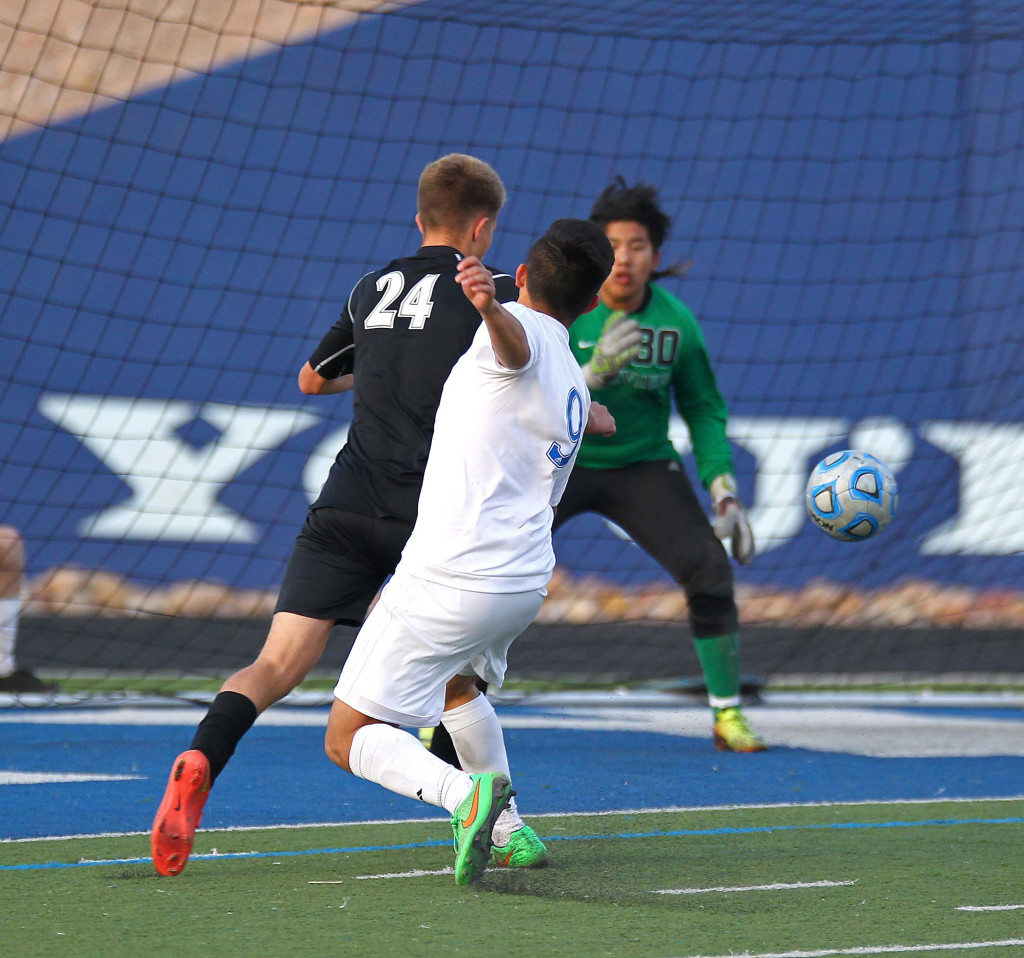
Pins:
x: 790, y: 880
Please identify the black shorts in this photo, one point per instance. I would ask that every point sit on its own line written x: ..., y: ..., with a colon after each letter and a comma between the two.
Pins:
x: 654, y: 502
x: 339, y: 561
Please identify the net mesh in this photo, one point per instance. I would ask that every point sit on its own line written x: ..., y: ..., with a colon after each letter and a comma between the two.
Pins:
x: 189, y: 191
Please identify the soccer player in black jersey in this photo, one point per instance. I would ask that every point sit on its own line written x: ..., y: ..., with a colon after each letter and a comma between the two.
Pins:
x: 402, y: 330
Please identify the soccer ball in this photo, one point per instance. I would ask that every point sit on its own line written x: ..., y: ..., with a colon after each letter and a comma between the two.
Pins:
x: 851, y: 495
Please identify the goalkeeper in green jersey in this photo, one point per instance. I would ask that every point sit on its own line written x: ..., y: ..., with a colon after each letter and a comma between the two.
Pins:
x: 640, y: 349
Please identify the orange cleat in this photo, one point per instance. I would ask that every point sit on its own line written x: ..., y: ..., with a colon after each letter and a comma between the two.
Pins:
x: 177, y: 819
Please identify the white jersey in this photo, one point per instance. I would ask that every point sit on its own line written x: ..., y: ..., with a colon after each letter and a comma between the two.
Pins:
x: 504, y: 444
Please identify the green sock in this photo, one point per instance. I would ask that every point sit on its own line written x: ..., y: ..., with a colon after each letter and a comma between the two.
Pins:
x: 720, y: 661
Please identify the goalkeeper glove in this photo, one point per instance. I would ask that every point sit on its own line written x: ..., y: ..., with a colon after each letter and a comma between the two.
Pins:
x: 730, y: 518
x: 619, y: 343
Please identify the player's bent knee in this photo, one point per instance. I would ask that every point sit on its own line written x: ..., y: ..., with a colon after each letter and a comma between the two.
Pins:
x: 342, y: 725
x: 460, y: 690
x: 713, y: 618
x: 711, y: 597
x: 338, y: 742
x: 338, y: 747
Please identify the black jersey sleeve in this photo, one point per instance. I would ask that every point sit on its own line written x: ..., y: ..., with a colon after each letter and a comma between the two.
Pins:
x: 335, y: 356
x: 504, y: 286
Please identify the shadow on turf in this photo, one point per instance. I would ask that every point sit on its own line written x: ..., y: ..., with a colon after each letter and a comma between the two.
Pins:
x: 584, y: 871
x: 133, y: 872
x: 615, y: 869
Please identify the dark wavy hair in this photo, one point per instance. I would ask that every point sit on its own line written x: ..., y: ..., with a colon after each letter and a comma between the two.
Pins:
x: 637, y: 204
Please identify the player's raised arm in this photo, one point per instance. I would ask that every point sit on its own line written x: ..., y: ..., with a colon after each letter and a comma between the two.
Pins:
x: 508, y: 338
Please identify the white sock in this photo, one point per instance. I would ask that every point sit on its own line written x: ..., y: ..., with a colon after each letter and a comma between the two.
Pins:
x: 479, y: 743
x: 10, y: 611
x: 398, y: 761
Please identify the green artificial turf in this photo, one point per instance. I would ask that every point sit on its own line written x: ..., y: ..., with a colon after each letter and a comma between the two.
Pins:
x: 909, y: 868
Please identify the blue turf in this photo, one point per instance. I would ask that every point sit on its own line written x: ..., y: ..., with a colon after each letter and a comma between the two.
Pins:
x: 280, y: 776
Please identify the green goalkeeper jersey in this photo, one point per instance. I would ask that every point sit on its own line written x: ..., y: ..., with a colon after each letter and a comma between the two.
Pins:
x: 672, y: 363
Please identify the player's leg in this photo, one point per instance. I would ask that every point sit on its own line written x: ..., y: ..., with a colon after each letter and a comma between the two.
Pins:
x: 656, y: 505
x: 416, y: 634
x: 12, y: 568
x: 293, y: 646
x: 471, y: 734
x: 476, y: 731
x: 576, y: 499
x: 381, y: 753
x: 479, y: 745
x: 12, y: 561
x: 439, y: 739
x: 336, y: 567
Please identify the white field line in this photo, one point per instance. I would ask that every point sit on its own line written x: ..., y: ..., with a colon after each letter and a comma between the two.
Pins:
x: 47, y: 778
x: 111, y: 861
x: 777, y: 886
x: 989, y: 907
x: 567, y: 814
x: 854, y: 731
x: 420, y: 873
x: 872, y: 950
x: 416, y: 873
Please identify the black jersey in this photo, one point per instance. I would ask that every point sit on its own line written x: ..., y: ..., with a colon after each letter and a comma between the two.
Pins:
x: 403, y: 329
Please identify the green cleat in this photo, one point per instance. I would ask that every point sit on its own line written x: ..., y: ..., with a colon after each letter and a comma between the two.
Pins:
x: 732, y: 734
x: 473, y: 823
x: 523, y: 850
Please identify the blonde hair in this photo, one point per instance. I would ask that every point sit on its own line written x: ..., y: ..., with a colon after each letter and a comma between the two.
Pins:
x: 455, y: 189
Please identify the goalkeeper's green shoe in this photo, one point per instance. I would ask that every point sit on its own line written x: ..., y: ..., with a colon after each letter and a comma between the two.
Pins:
x: 523, y: 850
x: 732, y: 734
x: 473, y: 823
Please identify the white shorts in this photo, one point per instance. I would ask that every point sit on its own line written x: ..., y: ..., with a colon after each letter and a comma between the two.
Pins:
x: 419, y: 635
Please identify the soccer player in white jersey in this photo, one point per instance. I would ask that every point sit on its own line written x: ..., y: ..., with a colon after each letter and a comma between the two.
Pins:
x: 473, y: 573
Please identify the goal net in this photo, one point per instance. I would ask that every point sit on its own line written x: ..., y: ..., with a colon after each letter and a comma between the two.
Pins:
x: 190, y: 190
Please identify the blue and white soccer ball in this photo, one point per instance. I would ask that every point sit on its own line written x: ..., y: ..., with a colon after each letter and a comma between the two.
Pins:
x: 851, y: 495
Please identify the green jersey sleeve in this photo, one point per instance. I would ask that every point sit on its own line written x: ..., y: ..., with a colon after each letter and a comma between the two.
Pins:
x: 699, y: 400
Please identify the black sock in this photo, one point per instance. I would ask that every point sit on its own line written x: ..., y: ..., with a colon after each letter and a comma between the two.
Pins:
x: 230, y: 716
x: 443, y: 747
